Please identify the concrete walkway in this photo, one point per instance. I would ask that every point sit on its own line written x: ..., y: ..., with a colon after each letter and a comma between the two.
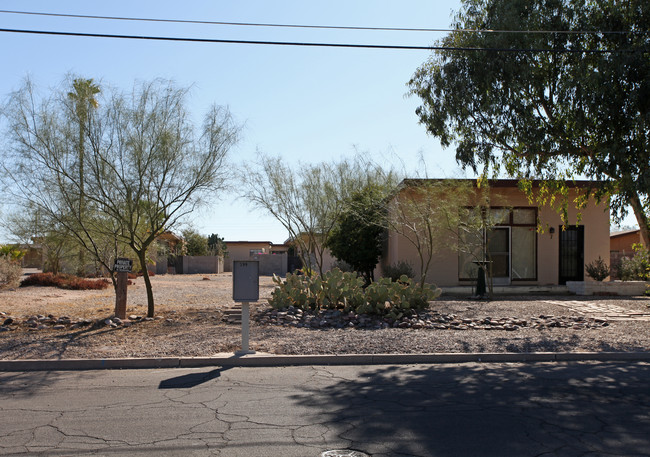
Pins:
x: 603, y: 310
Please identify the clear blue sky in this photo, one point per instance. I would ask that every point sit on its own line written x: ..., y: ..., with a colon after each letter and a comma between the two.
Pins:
x: 305, y: 104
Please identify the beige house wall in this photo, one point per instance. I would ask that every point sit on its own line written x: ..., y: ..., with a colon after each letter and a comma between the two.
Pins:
x: 240, y: 250
x: 444, y: 266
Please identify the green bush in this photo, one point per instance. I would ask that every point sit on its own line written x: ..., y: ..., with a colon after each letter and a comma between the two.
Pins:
x: 635, y: 268
x: 63, y: 281
x: 597, y: 270
x: 12, y: 253
x: 341, y: 290
x: 398, y: 270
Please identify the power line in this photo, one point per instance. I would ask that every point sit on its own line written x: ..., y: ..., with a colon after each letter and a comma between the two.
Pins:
x: 315, y: 44
x: 307, y: 26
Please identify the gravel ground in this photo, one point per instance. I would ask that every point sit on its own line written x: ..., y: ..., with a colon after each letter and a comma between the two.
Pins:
x: 190, y: 322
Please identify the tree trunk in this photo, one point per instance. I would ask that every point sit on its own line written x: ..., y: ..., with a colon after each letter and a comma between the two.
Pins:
x: 641, y: 218
x: 147, y: 282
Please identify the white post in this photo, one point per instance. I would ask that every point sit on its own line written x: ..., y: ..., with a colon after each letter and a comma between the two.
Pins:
x: 245, y: 329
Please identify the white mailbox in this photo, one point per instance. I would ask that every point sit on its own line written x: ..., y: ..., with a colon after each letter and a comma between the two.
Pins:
x: 245, y: 280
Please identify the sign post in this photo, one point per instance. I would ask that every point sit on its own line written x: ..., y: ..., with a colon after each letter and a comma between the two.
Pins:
x: 122, y: 267
x: 245, y: 289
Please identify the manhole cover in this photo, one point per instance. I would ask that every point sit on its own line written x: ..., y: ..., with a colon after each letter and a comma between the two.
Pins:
x: 343, y: 453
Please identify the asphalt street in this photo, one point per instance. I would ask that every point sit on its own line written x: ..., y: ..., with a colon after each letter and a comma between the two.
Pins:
x: 472, y: 409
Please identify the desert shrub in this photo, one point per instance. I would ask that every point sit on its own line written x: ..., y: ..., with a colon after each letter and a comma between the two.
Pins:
x: 635, y: 268
x: 398, y: 270
x: 344, y: 290
x: 10, y: 272
x: 597, y: 270
x: 343, y: 266
x: 64, y: 281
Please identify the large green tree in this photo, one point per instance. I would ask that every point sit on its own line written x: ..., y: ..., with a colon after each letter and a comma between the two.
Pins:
x: 146, y: 165
x: 549, y: 89
x: 358, y: 235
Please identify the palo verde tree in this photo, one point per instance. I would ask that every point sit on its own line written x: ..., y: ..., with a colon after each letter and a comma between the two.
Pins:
x: 309, y: 200
x: 551, y: 89
x: 145, y: 164
x: 425, y: 213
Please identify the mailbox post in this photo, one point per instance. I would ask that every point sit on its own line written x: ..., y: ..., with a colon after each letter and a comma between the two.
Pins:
x: 245, y: 289
x: 122, y: 267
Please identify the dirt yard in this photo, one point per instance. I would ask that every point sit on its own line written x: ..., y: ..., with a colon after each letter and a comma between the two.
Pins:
x: 44, y: 322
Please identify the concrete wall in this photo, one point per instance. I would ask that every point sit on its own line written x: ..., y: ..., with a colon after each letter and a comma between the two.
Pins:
x: 444, y: 267
x: 160, y: 267
x: 209, y: 264
x: 632, y: 288
x: 271, y: 264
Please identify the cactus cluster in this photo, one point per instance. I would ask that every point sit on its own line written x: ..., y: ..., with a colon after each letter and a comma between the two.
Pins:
x: 344, y: 291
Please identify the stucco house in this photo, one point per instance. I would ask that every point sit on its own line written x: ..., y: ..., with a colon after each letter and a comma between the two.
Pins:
x: 621, y: 244
x: 273, y: 258
x: 521, y: 253
x: 244, y: 250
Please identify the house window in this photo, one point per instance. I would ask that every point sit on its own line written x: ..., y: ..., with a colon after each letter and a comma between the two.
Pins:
x: 511, y: 245
x: 256, y: 251
x: 524, y: 252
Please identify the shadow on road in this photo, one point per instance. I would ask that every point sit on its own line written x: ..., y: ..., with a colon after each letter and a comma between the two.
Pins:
x: 516, y: 410
x: 190, y: 380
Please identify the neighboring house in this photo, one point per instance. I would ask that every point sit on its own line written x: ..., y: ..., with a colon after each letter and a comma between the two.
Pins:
x: 280, y: 248
x: 621, y: 245
x: 521, y: 255
x: 167, y: 243
x: 244, y: 250
x: 273, y: 258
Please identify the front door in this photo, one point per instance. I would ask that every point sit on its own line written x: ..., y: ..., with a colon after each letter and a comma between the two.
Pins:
x: 498, y: 247
x: 572, y: 254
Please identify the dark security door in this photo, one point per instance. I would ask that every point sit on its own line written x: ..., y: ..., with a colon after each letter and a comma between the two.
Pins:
x: 572, y: 254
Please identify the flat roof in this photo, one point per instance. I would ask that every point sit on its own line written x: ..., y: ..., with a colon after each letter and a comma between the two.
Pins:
x: 623, y: 232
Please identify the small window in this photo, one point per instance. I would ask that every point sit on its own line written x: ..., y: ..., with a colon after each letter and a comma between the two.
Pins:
x: 256, y: 251
x: 524, y: 216
x: 500, y: 216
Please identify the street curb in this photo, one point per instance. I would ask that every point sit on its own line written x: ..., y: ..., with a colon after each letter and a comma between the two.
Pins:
x: 270, y: 360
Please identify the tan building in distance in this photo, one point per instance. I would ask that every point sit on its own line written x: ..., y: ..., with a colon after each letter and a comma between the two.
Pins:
x: 244, y: 250
x: 621, y: 244
x: 521, y: 255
